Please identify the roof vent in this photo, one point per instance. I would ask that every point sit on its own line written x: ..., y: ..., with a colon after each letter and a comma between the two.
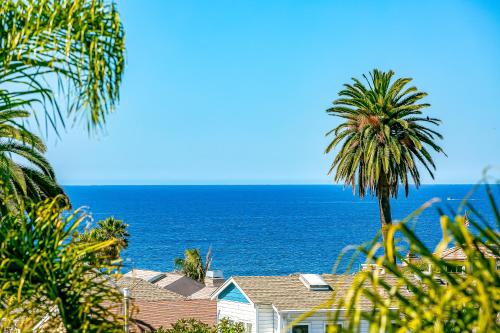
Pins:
x: 156, y: 278
x: 215, y: 274
x: 314, y: 282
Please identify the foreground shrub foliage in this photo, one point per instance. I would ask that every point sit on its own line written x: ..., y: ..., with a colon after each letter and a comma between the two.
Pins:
x: 419, y: 299
x: 50, y: 279
x: 196, y: 326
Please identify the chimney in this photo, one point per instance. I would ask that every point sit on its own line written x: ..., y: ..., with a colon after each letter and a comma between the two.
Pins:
x: 214, y: 278
x: 373, y: 268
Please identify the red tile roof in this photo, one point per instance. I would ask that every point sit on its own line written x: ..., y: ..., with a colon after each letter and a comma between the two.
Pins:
x: 149, y: 315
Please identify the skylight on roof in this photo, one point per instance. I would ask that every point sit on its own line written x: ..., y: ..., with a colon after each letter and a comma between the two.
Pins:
x: 156, y: 278
x: 314, y: 282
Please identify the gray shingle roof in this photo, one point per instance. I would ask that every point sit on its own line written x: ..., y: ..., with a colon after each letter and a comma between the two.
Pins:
x: 143, y: 290
x: 457, y: 253
x: 183, y: 286
x: 289, y: 293
x: 204, y: 293
x: 174, y: 282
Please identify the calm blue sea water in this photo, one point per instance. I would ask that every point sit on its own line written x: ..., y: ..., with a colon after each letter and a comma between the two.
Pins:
x: 255, y: 230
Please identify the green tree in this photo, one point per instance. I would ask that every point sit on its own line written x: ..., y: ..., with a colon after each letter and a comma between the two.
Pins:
x: 23, y: 168
x: 108, y: 229
x: 64, y: 57
x: 383, y: 137
x: 192, y: 264
x: 225, y: 326
x: 186, y: 326
x: 45, y: 273
x: 409, y: 299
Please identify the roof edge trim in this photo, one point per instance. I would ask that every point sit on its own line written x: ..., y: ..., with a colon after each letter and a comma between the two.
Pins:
x: 225, y: 285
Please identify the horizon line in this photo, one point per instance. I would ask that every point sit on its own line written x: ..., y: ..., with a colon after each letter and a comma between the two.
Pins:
x: 258, y: 184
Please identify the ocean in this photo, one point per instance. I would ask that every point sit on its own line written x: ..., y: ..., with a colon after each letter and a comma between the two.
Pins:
x: 258, y: 230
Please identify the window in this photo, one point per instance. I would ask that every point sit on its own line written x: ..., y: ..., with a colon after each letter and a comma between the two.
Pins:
x: 300, y: 328
x: 333, y: 327
x: 248, y: 327
x: 395, y: 326
x: 455, y: 269
x: 439, y: 281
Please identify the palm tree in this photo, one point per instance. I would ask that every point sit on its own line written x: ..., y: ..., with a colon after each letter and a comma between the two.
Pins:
x: 109, y: 229
x: 192, y: 264
x: 24, y: 170
x: 63, y: 57
x: 383, y: 136
x: 60, y: 57
x: 45, y: 270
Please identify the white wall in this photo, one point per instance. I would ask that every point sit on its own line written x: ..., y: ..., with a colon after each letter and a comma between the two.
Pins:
x: 266, y: 321
x: 316, y: 321
x: 276, y: 322
x: 238, y: 312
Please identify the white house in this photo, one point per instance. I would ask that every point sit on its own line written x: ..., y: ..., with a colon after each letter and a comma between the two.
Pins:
x: 270, y: 304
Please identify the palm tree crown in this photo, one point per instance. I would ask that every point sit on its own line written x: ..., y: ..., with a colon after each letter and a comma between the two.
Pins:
x: 383, y: 137
x: 108, y: 229
x: 24, y: 170
x: 192, y: 264
x: 384, y: 134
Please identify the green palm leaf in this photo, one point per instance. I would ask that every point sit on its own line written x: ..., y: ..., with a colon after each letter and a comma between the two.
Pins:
x: 24, y: 171
x: 71, y: 48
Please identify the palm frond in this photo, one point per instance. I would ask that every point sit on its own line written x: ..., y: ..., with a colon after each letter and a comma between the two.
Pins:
x: 75, y: 48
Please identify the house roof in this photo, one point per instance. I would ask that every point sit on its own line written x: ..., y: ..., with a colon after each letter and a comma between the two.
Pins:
x: 288, y: 293
x: 144, y: 290
x: 143, y: 274
x: 204, y: 293
x: 153, y: 306
x: 150, y: 315
x: 174, y: 282
x: 457, y: 253
x: 169, y: 279
x: 180, y: 284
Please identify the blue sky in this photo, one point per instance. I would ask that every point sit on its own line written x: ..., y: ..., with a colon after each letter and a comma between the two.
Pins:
x: 234, y: 92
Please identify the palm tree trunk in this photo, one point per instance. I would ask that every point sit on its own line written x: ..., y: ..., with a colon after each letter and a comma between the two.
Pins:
x: 384, y: 205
